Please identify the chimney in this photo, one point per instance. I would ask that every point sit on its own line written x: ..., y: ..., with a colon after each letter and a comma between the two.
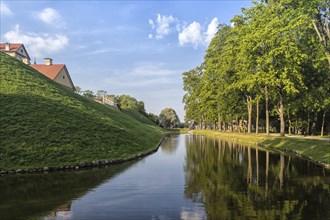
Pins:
x: 7, y: 46
x: 48, y: 61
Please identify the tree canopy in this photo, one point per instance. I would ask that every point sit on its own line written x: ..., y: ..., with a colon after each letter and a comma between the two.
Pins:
x: 272, y: 63
x: 168, y: 118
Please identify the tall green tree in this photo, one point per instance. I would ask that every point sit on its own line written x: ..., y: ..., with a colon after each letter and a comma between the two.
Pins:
x: 191, y: 85
x: 168, y: 118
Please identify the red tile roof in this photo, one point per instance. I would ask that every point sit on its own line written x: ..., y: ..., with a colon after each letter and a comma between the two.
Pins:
x: 51, y: 71
x: 12, y: 47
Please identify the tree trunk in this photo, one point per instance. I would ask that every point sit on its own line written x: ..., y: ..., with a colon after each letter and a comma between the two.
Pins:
x: 257, y: 118
x: 290, y: 126
x: 290, y: 123
x: 219, y: 122
x: 308, y: 124
x: 322, y: 37
x: 323, y: 119
x: 249, y: 106
x: 281, y: 112
x: 267, y: 112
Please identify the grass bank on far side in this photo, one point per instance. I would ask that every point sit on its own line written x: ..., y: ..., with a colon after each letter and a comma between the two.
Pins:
x: 316, y: 150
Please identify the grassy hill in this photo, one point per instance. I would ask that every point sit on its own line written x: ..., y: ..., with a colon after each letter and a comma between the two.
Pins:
x: 138, y: 116
x: 43, y: 124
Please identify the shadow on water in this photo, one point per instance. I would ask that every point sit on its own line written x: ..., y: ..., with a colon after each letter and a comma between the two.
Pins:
x: 233, y: 181
x: 31, y: 195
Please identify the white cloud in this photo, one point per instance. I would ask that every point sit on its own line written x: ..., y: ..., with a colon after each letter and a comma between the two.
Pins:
x: 38, y: 44
x: 193, y: 34
x: 142, y: 75
x: 5, y: 10
x: 211, y: 30
x: 162, y: 25
x: 52, y: 17
x: 151, y: 22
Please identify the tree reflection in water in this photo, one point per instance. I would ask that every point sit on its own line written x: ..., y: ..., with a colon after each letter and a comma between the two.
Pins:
x: 49, y: 194
x: 241, y: 182
x: 170, y: 144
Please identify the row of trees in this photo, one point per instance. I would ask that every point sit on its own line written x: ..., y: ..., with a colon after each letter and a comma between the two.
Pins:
x: 166, y: 119
x: 270, y: 71
x: 124, y: 101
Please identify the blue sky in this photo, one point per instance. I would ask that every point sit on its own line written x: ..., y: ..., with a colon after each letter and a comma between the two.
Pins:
x: 139, y: 48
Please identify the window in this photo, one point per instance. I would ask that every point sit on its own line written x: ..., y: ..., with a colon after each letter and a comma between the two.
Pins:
x: 63, y: 77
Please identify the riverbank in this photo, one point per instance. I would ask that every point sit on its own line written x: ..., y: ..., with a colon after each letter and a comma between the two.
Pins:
x: 317, y: 150
x: 83, y: 165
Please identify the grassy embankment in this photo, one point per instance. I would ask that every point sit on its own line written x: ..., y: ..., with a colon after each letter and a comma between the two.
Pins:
x: 43, y: 124
x: 316, y: 150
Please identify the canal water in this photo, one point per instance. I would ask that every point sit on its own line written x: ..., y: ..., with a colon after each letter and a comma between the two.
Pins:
x: 189, y: 177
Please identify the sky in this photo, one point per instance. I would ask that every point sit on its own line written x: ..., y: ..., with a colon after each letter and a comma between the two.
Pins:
x: 139, y: 48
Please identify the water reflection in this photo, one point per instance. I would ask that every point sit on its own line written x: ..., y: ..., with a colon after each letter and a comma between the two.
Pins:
x: 64, y: 213
x: 234, y: 181
x: 170, y: 144
x: 190, y: 177
x: 32, y: 195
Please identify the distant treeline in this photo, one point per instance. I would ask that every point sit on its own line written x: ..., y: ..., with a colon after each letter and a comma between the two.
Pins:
x: 166, y: 119
x: 267, y: 72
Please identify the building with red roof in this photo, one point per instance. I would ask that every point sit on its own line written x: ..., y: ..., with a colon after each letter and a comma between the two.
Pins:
x: 56, y: 72
x: 16, y: 50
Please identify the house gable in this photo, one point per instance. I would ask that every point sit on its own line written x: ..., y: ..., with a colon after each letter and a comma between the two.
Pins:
x: 51, y: 71
x: 56, y: 72
x: 16, y: 50
x: 63, y: 78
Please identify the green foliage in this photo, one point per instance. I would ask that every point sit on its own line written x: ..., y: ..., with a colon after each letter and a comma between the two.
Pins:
x: 100, y: 94
x: 154, y: 118
x: 88, y: 94
x: 273, y: 56
x: 168, y: 118
x: 43, y: 124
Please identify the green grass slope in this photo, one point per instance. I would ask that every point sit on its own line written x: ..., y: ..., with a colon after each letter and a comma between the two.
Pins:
x: 138, y: 116
x: 316, y: 150
x: 43, y: 124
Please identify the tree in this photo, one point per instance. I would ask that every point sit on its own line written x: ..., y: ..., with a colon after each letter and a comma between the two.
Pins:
x: 273, y: 54
x: 168, y: 118
x: 141, y: 108
x: 191, y: 85
x: 78, y: 89
x: 89, y: 94
x: 154, y: 118
x: 320, y: 13
x: 128, y: 102
x: 100, y: 94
